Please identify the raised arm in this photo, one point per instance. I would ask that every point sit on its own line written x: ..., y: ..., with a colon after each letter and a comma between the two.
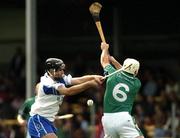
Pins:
x: 104, y: 59
x: 116, y: 64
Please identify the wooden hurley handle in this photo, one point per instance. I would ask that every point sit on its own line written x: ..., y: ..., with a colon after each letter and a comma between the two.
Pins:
x: 100, y: 30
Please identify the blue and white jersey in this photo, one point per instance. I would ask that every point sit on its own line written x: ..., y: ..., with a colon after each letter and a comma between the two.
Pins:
x: 48, y: 98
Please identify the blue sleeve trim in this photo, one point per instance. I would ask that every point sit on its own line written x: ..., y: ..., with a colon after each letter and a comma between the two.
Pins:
x: 50, y: 90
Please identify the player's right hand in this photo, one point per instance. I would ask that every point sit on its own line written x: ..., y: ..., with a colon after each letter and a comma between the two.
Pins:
x: 104, y: 46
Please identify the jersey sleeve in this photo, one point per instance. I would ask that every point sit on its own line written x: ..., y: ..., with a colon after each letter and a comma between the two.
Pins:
x: 52, y: 89
x: 48, y: 86
x: 109, y: 69
x: 23, y: 110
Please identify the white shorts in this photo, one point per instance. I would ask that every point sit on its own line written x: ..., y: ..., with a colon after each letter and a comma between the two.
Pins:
x: 120, y: 125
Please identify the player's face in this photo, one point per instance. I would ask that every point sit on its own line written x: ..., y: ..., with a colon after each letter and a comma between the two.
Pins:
x: 58, y: 74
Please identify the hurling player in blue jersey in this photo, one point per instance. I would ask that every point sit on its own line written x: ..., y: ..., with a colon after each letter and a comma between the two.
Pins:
x: 51, y: 91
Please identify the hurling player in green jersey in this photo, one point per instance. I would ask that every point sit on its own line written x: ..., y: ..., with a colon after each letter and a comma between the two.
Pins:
x: 120, y: 92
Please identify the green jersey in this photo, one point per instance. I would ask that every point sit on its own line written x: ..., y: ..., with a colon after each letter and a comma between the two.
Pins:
x: 26, y: 107
x: 121, y: 90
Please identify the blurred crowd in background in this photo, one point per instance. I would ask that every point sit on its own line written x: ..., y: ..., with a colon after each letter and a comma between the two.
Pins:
x: 144, y: 33
x: 160, y: 91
